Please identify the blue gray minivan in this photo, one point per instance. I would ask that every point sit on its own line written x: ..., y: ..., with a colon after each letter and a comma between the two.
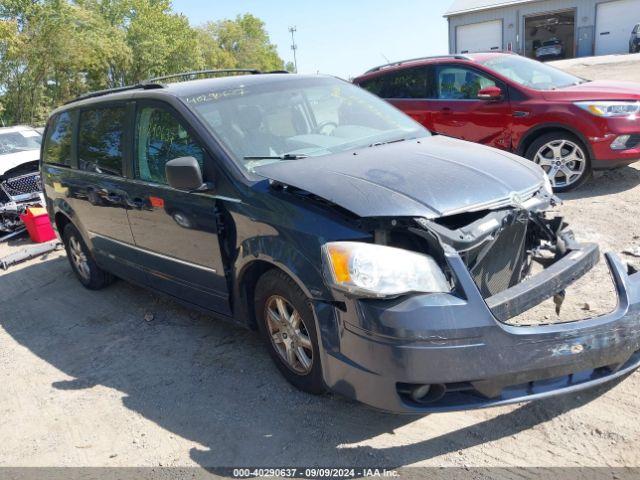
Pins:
x: 375, y: 259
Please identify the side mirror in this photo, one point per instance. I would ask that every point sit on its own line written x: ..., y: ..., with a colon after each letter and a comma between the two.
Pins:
x: 184, y: 174
x: 492, y: 93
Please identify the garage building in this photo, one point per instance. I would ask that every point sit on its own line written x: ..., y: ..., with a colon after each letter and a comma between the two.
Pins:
x: 543, y: 29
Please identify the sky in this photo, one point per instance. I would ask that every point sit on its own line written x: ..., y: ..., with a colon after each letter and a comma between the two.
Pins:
x: 339, y: 37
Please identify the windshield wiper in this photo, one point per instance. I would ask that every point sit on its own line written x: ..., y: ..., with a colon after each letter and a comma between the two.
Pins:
x: 286, y: 156
x: 376, y: 144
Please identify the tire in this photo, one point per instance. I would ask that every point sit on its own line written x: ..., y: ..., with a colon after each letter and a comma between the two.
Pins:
x: 274, y: 287
x: 82, y: 263
x: 564, y: 157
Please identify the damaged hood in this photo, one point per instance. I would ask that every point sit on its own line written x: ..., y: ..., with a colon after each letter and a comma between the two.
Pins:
x: 13, y: 160
x: 432, y: 177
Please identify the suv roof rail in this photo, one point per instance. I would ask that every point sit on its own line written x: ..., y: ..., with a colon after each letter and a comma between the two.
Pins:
x: 457, y: 56
x: 107, y: 91
x: 196, y: 73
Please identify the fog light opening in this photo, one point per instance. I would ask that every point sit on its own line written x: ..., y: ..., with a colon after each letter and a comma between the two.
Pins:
x: 428, y: 393
x: 620, y: 143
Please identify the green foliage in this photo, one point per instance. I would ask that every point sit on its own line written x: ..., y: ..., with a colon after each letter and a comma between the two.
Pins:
x: 243, y: 43
x: 54, y: 50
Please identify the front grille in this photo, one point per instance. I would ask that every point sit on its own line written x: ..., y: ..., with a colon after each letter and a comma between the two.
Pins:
x: 498, y: 265
x: 634, y: 141
x: 22, y: 185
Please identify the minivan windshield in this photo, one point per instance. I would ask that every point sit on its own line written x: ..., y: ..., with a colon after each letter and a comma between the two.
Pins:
x: 299, y: 117
x: 530, y: 73
x: 16, y: 141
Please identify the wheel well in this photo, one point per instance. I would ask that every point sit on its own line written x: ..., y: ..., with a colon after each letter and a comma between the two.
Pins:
x: 61, y: 221
x: 248, y: 282
x: 531, y: 137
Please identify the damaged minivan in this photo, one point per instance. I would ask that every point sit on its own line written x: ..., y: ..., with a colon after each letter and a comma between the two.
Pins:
x: 20, y: 185
x: 374, y: 259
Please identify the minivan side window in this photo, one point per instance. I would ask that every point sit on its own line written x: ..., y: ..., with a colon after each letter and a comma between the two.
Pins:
x: 411, y: 83
x: 160, y: 137
x: 57, y: 146
x: 100, y: 140
x: 460, y: 83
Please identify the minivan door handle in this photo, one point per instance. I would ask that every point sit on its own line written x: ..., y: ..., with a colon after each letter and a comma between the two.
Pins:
x: 446, y: 111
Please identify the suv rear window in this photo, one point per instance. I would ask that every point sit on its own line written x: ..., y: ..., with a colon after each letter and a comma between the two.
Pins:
x: 100, y: 140
x: 407, y: 83
x: 57, y: 146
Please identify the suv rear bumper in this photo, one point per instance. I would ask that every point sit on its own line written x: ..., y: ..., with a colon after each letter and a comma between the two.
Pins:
x: 385, y: 349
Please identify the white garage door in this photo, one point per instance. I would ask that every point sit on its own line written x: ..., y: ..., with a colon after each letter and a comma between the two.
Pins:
x: 614, y: 22
x: 479, y: 37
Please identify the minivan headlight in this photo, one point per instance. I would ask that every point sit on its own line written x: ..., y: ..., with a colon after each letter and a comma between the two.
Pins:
x: 380, y: 271
x: 610, y: 109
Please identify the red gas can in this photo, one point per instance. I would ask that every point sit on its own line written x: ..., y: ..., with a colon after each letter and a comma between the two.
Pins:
x: 38, y: 225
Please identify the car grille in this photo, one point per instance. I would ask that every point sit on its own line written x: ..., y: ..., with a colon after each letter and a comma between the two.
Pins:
x: 499, y: 265
x: 22, y: 185
x: 634, y: 141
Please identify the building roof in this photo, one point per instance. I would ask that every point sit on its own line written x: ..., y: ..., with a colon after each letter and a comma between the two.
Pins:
x: 459, y: 7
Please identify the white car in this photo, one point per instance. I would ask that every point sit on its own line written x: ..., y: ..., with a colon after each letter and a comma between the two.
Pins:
x: 20, y: 185
x: 550, y: 49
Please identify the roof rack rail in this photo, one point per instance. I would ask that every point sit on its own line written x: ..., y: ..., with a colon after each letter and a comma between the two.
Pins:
x: 153, y: 83
x: 196, y: 73
x: 401, y: 62
x: 107, y: 91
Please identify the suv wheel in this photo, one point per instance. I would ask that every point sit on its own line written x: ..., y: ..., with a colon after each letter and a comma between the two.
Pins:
x: 287, y: 324
x: 564, y: 157
x: 82, y: 263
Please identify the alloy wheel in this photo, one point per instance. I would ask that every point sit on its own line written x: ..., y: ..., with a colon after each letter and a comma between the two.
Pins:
x: 289, y: 335
x: 564, y: 161
x: 79, y: 258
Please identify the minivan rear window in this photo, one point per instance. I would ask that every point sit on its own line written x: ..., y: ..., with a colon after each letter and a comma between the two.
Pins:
x: 100, y: 140
x: 57, y: 146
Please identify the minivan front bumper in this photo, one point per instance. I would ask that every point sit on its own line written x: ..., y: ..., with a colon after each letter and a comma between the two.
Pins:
x: 378, y: 352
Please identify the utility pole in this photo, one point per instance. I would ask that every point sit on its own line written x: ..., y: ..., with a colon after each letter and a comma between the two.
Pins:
x: 294, y: 47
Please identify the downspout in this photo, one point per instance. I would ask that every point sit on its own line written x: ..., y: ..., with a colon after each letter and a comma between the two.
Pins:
x: 518, y: 49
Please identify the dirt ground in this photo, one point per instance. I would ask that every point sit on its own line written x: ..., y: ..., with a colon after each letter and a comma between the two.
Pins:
x: 85, y: 380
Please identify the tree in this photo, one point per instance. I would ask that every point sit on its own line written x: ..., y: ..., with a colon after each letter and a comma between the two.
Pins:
x: 162, y: 42
x: 50, y: 51
x: 244, y: 43
x: 54, y: 50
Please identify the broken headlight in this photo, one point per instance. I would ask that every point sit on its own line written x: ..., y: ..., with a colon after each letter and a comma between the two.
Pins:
x: 381, y: 271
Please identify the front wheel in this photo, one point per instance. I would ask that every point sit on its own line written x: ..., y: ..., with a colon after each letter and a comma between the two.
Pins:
x: 563, y: 157
x: 287, y: 324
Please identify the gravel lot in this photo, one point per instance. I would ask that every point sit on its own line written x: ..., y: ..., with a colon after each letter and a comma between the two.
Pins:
x: 87, y: 381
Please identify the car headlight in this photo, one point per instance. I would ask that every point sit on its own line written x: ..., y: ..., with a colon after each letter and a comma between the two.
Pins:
x: 611, y: 109
x: 380, y: 271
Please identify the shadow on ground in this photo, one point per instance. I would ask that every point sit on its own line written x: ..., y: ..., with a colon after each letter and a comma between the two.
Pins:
x: 211, y: 382
x: 606, y: 182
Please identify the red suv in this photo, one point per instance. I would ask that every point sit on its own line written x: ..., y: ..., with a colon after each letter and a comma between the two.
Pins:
x: 568, y: 125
